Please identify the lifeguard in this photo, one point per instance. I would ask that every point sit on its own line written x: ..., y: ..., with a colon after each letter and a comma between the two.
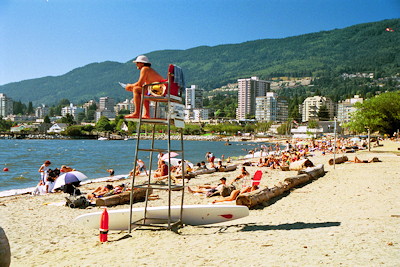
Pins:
x: 147, y: 76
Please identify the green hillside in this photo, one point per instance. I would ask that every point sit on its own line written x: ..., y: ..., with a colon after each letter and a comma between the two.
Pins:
x: 360, y: 48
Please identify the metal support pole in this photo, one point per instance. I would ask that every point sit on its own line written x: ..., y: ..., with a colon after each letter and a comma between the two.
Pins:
x: 369, y: 139
x: 334, y: 148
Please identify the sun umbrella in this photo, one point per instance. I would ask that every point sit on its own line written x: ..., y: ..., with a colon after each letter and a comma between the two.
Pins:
x: 175, y: 162
x: 355, y: 139
x: 69, y: 178
x: 170, y: 155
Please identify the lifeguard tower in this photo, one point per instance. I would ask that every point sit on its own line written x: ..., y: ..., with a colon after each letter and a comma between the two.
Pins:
x: 168, y: 110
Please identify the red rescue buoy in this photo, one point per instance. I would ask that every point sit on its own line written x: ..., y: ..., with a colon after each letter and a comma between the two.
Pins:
x: 5, y: 170
x: 104, y: 226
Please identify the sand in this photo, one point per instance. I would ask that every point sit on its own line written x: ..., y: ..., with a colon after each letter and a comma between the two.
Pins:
x: 349, y: 217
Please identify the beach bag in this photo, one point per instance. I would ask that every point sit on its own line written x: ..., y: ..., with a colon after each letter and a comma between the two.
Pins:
x: 80, y: 202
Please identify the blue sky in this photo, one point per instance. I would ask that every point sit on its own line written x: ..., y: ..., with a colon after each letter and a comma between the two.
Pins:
x: 51, y: 37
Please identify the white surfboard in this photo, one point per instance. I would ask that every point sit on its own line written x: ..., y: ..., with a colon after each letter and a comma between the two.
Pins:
x: 192, y: 215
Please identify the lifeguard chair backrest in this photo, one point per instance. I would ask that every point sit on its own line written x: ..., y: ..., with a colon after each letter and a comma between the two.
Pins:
x: 257, y: 178
x: 173, y: 86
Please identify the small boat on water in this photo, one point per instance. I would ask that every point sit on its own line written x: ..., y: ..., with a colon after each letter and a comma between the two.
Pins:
x: 102, y: 138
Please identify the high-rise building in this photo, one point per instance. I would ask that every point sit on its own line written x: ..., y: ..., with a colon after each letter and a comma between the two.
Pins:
x: 194, y: 97
x: 106, y: 103
x: 271, y: 108
x: 194, y: 110
x: 6, y: 105
x: 106, y: 108
x: 346, y: 107
x: 311, y: 106
x: 248, y: 90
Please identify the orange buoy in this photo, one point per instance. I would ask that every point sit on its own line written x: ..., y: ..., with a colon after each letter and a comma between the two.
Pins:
x: 104, y: 226
x: 5, y: 170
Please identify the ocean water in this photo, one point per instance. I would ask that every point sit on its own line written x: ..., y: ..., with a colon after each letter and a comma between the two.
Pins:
x: 23, y: 157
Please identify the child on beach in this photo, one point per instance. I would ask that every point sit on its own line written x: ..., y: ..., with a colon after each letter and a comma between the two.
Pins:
x: 44, y: 173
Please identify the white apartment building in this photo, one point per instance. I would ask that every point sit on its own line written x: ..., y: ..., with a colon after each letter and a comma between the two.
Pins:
x: 106, y: 108
x: 311, y: 105
x: 194, y: 97
x: 271, y: 108
x: 200, y: 114
x: 194, y: 110
x: 126, y: 105
x: 248, y: 90
x: 42, y: 111
x: 6, y: 105
x: 71, y: 109
x: 346, y: 107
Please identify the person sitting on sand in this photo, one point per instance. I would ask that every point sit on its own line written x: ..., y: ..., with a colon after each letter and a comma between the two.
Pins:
x: 162, y: 171
x: 219, y: 166
x: 244, y: 173
x: 65, y: 168
x: 100, y: 191
x: 260, y: 163
x: 357, y: 160
x: 235, y: 193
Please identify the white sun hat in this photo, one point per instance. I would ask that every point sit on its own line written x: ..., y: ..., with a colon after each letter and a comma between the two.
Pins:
x: 141, y: 59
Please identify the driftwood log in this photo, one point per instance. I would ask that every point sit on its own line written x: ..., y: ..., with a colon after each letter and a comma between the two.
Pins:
x: 300, y: 164
x: 123, y: 198
x: 5, y: 252
x: 339, y: 160
x: 228, y: 168
x: 204, y: 171
x: 314, y: 172
x: 262, y: 195
x: 189, y: 175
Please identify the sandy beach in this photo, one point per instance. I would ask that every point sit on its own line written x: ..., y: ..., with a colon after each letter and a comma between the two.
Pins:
x: 348, y: 217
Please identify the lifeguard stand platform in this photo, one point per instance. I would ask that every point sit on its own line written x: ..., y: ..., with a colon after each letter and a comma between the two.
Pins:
x: 169, y: 95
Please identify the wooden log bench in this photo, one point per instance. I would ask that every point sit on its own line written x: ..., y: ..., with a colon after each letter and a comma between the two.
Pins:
x: 139, y: 194
x: 260, y: 196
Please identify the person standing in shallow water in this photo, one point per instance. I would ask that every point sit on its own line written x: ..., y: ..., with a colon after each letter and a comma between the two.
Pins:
x: 147, y: 76
x: 44, y: 173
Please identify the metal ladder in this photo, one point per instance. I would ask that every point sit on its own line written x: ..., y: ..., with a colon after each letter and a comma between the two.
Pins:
x: 174, y: 115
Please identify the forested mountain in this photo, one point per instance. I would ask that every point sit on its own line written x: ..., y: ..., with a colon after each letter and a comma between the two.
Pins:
x: 360, y: 48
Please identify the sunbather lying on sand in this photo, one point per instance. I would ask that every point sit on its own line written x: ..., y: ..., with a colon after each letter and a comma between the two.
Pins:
x: 104, y: 191
x: 207, y: 188
x: 357, y: 160
x: 100, y: 191
x: 235, y: 193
